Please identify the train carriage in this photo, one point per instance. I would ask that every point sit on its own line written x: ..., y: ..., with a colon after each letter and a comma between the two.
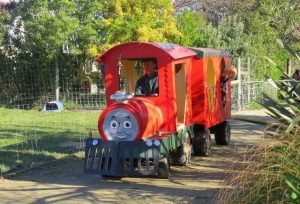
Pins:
x: 142, y: 135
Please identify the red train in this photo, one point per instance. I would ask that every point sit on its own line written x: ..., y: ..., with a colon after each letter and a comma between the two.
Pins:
x: 143, y: 134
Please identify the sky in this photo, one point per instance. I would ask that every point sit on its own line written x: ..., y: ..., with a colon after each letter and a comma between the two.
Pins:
x: 4, y: 1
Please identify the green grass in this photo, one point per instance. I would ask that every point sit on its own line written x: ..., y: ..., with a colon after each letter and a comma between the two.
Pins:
x: 30, y: 137
x: 254, y: 106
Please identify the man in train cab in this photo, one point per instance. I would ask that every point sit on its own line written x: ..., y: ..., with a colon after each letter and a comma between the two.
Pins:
x: 148, y: 84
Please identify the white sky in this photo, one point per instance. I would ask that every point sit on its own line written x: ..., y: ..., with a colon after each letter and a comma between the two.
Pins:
x: 6, y: 1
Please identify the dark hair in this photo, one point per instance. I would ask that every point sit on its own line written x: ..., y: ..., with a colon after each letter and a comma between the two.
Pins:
x: 151, y: 60
x: 297, y: 71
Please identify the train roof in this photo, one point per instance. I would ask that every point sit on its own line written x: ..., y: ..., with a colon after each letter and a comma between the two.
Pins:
x: 173, y: 50
x: 206, y: 52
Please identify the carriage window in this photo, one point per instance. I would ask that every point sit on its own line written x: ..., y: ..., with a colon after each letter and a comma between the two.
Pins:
x: 139, y: 77
x: 180, y: 87
x: 211, y: 84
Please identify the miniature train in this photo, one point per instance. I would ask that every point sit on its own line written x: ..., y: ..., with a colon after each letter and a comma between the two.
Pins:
x: 143, y: 135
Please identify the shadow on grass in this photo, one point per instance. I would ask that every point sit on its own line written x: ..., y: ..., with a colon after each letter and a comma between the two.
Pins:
x: 34, y: 148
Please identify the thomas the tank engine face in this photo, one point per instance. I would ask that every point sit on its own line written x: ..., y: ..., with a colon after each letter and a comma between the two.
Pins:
x: 120, y: 124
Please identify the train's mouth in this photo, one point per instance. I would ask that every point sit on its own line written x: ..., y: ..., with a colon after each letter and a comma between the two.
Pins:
x: 120, y: 136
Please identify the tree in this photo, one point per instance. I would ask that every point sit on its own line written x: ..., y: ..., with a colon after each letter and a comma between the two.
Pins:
x: 4, y: 21
x: 40, y: 29
x: 233, y: 36
x: 190, y: 25
x: 144, y: 20
x: 214, y: 10
x: 267, y: 21
x: 48, y: 25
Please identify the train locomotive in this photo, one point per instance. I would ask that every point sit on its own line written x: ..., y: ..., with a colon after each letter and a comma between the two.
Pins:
x: 142, y: 135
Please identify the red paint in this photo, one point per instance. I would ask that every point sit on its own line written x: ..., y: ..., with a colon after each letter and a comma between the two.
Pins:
x: 200, y: 103
x: 158, y: 115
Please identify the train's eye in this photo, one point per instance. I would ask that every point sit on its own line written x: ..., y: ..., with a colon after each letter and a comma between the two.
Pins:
x: 114, y: 124
x: 127, y: 124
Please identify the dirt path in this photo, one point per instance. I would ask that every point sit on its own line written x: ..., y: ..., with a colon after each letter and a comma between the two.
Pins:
x: 64, y: 182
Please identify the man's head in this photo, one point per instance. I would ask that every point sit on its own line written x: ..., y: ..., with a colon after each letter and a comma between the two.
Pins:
x: 150, y: 65
x: 297, y: 71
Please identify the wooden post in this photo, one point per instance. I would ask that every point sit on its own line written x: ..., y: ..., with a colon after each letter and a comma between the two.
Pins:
x: 249, y: 79
x: 239, y: 84
x: 56, y: 80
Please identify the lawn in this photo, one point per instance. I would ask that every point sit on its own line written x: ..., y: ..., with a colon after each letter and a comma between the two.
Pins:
x: 29, y: 137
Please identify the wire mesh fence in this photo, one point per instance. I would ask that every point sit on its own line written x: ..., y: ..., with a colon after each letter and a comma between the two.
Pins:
x: 72, y: 98
x: 76, y: 98
x: 29, y: 136
x: 246, y: 94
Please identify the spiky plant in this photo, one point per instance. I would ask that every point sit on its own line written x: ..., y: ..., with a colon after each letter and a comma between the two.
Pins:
x: 271, y: 174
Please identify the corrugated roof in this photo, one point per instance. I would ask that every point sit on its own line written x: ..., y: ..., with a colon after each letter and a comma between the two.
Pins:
x: 205, y: 52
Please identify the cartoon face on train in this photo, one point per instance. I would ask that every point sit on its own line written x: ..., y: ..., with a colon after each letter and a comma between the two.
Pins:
x: 120, y: 124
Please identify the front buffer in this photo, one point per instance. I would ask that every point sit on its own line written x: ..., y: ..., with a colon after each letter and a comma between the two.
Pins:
x: 122, y: 158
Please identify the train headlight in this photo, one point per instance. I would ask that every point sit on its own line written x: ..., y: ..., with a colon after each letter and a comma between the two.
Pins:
x: 95, y: 142
x: 120, y: 124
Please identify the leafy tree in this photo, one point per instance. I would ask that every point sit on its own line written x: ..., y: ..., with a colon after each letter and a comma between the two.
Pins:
x: 84, y: 28
x: 144, y: 20
x: 4, y: 20
x: 48, y: 25
x: 90, y: 31
x: 214, y: 10
x: 248, y: 28
x: 233, y: 36
x: 267, y: 21
x: 190, y: 25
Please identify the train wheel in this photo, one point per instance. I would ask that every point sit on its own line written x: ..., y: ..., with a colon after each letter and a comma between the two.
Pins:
x: 222, y: 133
x: 163, y: 170
x: 182, y: 155
x: 202, y: 143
